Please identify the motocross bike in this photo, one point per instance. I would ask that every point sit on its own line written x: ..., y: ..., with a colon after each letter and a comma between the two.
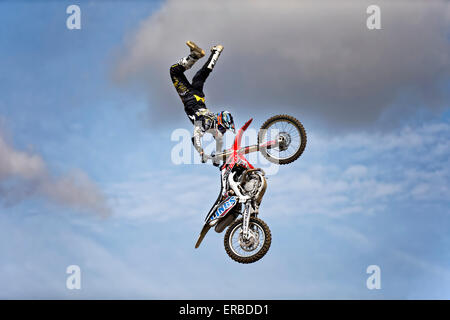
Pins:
x: 281, y: 140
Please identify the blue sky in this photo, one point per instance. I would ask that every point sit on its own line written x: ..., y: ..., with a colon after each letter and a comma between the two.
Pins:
x: 355, y: 198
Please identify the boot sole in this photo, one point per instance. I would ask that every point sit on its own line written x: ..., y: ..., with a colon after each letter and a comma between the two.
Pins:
x: 199, y: 51
x: 217, y: 48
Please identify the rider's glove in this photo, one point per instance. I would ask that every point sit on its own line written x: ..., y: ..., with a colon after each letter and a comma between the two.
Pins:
x: 202, y: 157
x: 215, y: 161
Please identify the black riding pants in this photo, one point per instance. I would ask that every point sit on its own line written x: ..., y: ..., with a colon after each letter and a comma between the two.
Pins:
x: 191, y: 94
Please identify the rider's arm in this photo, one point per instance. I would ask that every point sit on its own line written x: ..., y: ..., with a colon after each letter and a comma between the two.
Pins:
x: 219, y: 143
x: 197, y: 139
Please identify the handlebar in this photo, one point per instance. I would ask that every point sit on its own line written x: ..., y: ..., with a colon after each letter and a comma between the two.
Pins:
x: 222, y: 156
x: 226, y: 153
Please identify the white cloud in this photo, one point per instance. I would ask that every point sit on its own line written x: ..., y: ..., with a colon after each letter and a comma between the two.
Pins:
x: 316, y: 58
x: 18, y: 163
x: 35, y: 260
x: 358, y: 173
x: 24, y: 174
x: 165, y: 195
x: 369, y: 173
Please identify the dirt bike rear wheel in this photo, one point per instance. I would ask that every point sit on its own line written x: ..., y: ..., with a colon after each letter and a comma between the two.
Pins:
x: 288, y: 129
x: 247, y: 254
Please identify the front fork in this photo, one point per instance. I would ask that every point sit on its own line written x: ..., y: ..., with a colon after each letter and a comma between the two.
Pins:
x: 246, y: 220
x: 248, y: 211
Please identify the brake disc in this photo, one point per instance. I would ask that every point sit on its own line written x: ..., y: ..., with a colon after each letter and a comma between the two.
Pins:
x: 285, y: 140
x: 250, y: 244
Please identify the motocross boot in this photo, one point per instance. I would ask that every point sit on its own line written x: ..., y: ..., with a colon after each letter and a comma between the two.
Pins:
x: 196, y: 53
x: 216, y: 51
x: 219, y: 48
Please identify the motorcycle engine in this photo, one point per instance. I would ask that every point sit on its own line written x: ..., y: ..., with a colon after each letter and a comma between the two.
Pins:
x: 254, y: 185
x: 251, y: 186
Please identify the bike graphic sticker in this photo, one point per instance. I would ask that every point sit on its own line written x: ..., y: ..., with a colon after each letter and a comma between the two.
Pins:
x: 224, y: 207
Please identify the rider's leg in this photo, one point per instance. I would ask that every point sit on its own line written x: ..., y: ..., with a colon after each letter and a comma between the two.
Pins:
x: 179, y: 80
x: 177, y: 70
x: 215, y: 51
x: 196, y: 53
x: 200, y: 77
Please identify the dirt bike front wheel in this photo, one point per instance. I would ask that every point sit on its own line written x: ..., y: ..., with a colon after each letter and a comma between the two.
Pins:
x: 291, y: 137
x: 247, y: 250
